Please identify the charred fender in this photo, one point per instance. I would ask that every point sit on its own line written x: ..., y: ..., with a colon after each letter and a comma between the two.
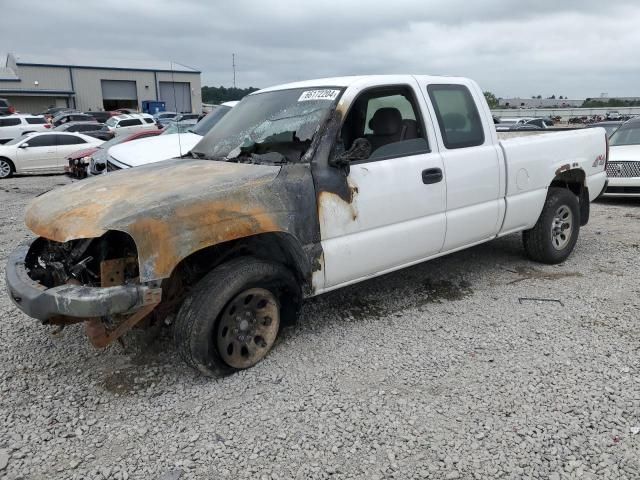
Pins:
x: 173, y: 209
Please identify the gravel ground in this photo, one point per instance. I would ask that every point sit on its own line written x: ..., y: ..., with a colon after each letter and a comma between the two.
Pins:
x: 438, y: 371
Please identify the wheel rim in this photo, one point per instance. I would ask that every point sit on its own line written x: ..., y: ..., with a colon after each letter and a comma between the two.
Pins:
x: 561, y: 227
x: 248, y: 328
x: 5, y: 169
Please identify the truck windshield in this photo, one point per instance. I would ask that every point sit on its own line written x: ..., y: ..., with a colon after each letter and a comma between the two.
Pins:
x: 628, y: 134
x: 270, y: 127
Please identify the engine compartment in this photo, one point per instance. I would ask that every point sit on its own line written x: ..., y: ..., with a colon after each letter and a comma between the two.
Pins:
x: 105, y: 261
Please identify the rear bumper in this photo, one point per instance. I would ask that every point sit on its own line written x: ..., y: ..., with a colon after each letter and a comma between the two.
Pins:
x: 38, y: 301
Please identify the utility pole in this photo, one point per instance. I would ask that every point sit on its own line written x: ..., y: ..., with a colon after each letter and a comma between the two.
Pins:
x: 233, y: 64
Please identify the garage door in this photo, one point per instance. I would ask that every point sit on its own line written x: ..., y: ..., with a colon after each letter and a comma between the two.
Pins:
x: 119, y: 90
x: 176, y: 95
x: 119, y: 94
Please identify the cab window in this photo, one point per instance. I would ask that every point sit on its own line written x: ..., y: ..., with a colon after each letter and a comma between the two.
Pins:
x: 388, y: 120
x: 457, y: 114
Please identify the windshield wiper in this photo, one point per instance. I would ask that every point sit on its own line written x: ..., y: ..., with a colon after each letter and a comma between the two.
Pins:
x: 269, y: 158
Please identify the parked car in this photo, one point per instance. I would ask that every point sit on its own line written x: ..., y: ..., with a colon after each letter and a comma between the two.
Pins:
x: 610, y: 127
x: 540, y: 122
x: 93, y: 161
x: 93, y: 129
x: 510, y: 123
x: 5, y: 107
x: 179, y: 127
x: 14, y: 126
x: 121, y: 111
x: 186, y: 116
x: 164, y: 117
x: 41, y: 152
x: 623, y: 167
x: 66, y: 117
x: 168, y: 145
x: 130, y: 123
x: 300, y: 189
x: 53, y: 111
x: 101, y: 117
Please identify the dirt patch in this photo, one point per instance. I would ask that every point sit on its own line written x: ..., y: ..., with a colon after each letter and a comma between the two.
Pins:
x: 125, y: 382
x: 438, y: 290
x: 529, y: 273
x: 363, y: 308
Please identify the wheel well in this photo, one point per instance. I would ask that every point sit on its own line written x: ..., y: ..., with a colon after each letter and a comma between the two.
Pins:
x: 8, y: 160
x: 276, y: 247
x: 575, y: 181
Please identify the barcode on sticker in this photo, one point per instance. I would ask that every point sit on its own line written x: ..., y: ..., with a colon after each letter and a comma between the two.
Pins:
x: 325, y: 94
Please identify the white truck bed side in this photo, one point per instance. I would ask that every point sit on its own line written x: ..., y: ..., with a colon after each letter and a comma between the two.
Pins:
x: 533, y: 161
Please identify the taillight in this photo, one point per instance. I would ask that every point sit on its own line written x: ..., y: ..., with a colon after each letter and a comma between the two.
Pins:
x: 12, y: 109
x: 47, y: 125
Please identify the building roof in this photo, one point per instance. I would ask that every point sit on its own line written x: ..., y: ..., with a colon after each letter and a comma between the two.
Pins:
x: 111, y: 64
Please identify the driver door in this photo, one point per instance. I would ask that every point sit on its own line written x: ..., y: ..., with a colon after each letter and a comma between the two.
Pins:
x: 40, y: 154
x: 397, y: 214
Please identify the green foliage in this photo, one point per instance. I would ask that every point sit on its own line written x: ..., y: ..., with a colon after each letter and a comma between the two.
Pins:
x: 612, y: 102
x: 492, y: 100
x: 221, y: 94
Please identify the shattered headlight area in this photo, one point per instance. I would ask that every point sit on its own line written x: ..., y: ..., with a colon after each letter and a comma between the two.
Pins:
x: 105, y: 261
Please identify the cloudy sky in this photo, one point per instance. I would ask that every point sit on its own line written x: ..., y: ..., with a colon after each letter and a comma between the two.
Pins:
x: 575, y: 48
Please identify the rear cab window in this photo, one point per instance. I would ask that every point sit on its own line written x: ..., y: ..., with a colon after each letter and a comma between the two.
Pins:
x: 458, y: 118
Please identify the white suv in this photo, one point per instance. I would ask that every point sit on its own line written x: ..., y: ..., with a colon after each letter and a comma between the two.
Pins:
x: 15, y: 126
x: 131, y: 123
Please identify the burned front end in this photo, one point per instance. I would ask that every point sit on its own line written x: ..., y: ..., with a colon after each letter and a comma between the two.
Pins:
x: 94, y: 280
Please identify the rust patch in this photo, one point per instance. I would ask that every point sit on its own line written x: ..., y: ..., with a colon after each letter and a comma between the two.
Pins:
x: 100, y: 336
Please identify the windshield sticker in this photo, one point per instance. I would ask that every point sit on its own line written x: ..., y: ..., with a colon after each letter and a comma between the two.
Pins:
x: 325, y: 94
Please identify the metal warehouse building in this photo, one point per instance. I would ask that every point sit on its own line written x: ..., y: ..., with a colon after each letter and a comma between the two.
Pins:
x: 32, y: 85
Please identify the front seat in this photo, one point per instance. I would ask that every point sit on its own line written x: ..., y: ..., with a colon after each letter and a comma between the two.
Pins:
x: 386, y: 125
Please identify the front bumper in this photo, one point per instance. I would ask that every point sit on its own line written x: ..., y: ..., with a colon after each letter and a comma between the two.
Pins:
x: 623, y: 187
x: 38, y: 301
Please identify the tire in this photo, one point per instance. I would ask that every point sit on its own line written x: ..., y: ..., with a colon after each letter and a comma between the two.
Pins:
x: 219, y: 329
x: 7, y: 169
x: 555, y: 234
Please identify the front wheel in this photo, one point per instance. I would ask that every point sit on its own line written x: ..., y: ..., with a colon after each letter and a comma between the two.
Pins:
x: 555, y: 234
x: 6, y: 168
x: 233, y: 315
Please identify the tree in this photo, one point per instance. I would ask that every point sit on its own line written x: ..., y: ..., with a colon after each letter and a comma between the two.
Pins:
x: 222, y: 94
x: 492, y: 100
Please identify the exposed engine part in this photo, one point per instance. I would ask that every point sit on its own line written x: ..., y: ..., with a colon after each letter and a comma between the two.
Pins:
x: 53, y: 263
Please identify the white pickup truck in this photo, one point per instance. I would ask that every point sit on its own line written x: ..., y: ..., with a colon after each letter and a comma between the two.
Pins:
x: 300, y: 189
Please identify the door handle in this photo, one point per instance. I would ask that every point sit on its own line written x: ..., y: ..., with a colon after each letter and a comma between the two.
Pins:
x: 431, y: 175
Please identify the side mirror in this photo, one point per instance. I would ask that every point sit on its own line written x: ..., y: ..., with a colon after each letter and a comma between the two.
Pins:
x: 118, y: 126
x: 360, y: 150
x: 24, y: 145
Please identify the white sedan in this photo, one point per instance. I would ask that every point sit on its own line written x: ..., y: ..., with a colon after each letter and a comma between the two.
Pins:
x: 623, y: 167
x: 41, y: 152
x: 174, y: 142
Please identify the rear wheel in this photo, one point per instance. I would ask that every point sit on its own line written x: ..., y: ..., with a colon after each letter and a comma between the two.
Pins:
x: 555, y: 234
x: 6, y: 168
x: 231, y: 319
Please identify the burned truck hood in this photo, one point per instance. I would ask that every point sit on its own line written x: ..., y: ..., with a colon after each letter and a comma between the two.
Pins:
x: 170, y: 209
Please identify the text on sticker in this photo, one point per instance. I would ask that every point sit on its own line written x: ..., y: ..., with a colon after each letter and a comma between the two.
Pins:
x: 325, y: 94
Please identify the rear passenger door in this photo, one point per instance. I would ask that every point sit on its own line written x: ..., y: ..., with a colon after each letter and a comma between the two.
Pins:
x: 397, y: 214
x: 471, y: 165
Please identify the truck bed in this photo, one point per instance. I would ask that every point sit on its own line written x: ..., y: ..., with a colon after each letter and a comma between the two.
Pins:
x: 530, y: 159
